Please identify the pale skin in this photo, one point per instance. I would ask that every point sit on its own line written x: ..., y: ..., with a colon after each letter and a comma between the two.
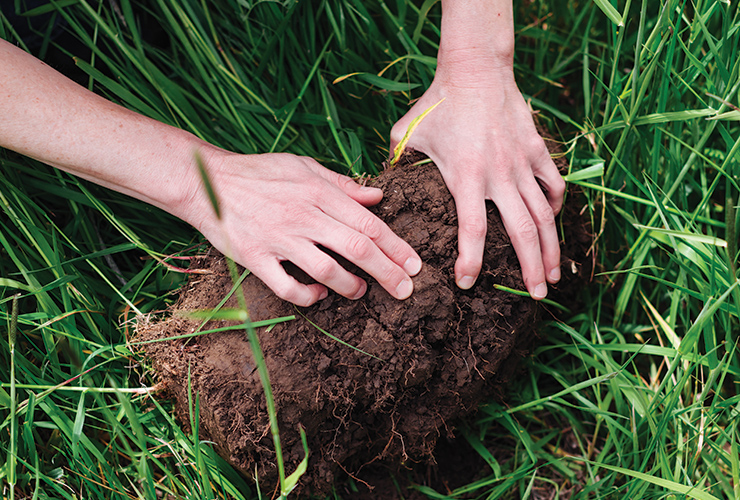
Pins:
x: 279, y: 207
x: 484, y: 141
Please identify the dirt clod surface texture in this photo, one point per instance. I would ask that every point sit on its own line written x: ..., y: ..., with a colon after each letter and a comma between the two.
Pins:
x: 417, y: 367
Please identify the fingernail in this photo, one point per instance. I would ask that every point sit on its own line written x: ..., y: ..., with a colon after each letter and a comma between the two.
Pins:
x: 412, y: 266
x: 324, y: 295
x: 361, y: 291
x: 555, y: 275
x: 404, y: 289
x: 466, y: 282
x: 540, y: 291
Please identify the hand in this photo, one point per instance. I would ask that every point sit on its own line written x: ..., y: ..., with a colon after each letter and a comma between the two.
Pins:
x: 274, y: 207
x: 484, y: 141
x: 279, y: 207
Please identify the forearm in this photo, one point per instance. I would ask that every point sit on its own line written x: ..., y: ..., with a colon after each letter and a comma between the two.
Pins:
x: 477, y: 36
x: 50, y: 118
x: 273, y: 207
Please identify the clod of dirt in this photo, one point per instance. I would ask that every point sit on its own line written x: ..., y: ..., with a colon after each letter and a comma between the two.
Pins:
x: 425, y: 362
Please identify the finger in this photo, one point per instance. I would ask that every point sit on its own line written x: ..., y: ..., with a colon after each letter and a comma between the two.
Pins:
x: 525, y: 238
x: 287, y: 287
x: 364, y: 195
x: 551, y: 181
x: 389, y: 245
x: 364, y: 253
x: 324, y: 269
x: 544, y: 219
x: 471, y: 236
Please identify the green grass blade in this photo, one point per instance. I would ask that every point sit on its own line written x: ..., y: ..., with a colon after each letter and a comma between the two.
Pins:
x: 689, y: 491
x: 610, y: 12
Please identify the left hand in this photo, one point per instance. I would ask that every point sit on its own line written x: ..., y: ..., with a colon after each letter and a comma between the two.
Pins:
x: 485, y: 144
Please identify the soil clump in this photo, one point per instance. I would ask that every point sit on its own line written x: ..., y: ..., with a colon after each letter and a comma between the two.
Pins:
x: 426, y: 362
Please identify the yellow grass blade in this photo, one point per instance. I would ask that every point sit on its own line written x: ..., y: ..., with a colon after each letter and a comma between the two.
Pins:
x: 398, y: 151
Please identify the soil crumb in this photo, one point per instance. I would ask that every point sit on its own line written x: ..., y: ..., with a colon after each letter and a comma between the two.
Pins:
x: 417, y: 366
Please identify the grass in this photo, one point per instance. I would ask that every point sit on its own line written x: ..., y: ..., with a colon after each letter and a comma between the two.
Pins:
x: 633, y: 394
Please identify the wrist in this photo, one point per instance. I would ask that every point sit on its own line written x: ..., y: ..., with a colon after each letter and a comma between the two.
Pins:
x: 470, y: 72
x: 477, y: 39
x: 190, y: 201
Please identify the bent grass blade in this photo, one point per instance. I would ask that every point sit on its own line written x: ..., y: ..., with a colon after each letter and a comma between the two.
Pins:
x: 242, y: 315
x: 401, y: 146
x: 591, y: 172
x: 610, y: 12
x: 336, y: 339
x: 523, y: 293
x: 292, y: 481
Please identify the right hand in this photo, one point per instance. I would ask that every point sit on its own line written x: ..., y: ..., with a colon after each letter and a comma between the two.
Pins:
x: 486, y: 146
x: 280, y: 207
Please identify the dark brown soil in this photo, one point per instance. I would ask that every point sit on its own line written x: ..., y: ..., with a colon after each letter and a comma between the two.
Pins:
x: 435, y: 356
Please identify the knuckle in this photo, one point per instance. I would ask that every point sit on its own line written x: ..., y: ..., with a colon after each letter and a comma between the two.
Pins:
x: 324, y: 269
x: 555, y: 192
x: 359, y: 247
x: 526, y: 230
x: 544, y: 214
x: 389, y: 275
x: 474, y: 226
x: 557, y: 188
x: 370, y: 226
x: 468, y: 265
x: 536, y: 144
x: 344, y: 182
